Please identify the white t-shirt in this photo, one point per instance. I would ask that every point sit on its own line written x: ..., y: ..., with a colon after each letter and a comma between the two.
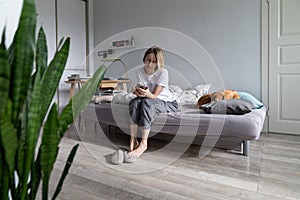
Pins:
x: 160, y: 77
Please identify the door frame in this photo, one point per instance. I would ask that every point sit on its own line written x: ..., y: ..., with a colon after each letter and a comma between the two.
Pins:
x: 265, y: 59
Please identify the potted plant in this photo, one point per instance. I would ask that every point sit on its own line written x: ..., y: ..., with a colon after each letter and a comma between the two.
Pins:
x: 28, y: 85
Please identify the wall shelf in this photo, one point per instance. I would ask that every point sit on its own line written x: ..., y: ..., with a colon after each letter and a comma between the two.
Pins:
x: 109, y: 51
x: 121, y: 47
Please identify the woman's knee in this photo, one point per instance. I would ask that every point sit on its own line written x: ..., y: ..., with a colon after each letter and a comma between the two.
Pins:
x: 134, y: 103
x: 153, y: 104
x: 146, y: 102
x: 136, y: 100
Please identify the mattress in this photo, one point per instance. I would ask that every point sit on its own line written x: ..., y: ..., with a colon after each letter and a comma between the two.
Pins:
x: 190, y: 121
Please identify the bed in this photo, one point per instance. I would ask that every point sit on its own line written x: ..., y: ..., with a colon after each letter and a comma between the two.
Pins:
x: 221, y: 130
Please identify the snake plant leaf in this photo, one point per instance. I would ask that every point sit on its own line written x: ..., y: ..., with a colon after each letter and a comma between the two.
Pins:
x: 9, y: 140
x: 24, y: 43
x: 4, y: 74
x: 35, y: 177
x: 81, y: 100
x: 11, y: 54
x: 41, y: 64
x: 65, y: 171
x: 34, y: 124
x: 4, y: 181
x: 26, y: 96
x: 43, y: 91
x: 41, y: 52
x: 9, y: 147
x: 49, y: 147
x: 22, y: 140
x: 21, y: 57
x: 2, y: 174
x: 52, y: 75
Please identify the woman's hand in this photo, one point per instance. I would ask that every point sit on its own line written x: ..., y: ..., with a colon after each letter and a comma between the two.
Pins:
x: 136, y: 91
x: 142, y: 92
x: 146, y: 92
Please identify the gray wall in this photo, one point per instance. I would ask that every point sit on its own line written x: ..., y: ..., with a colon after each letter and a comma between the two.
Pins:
x: 228, y: 29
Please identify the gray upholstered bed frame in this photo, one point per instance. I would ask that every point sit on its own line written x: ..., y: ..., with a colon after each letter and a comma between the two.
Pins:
x: 222, y: 131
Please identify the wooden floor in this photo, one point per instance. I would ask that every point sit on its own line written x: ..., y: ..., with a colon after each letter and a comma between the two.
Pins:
x: 271, y: 172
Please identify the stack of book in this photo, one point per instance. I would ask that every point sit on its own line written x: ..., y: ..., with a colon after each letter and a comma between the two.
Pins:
x: 73, y: 77
x: 107, y: 87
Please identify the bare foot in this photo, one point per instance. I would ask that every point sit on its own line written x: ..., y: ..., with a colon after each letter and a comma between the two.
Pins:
x: 133, y: 144
x: 138, y: 151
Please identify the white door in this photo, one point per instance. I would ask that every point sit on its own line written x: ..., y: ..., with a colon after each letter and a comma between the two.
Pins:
x: 284, y: 68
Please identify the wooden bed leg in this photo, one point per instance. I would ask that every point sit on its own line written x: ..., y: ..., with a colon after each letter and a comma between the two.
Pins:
x: 246, y: 147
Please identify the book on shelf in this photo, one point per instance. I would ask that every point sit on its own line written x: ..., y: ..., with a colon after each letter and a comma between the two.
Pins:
x: 106, y: 92
x: 108, y: 84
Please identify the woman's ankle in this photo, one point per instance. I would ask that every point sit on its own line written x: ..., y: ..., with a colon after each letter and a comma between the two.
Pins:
x: 133, y: 143
x: 144, y: 142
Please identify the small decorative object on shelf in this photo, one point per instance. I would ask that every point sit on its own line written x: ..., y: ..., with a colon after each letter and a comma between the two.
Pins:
x: 123, y: 43
x: 120, y: 44
x: 132, y: 41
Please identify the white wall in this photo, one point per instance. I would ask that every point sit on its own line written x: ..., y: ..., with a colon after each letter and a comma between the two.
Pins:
x: 71, y: 23
x: 228, y: 29
x: 10, y: 11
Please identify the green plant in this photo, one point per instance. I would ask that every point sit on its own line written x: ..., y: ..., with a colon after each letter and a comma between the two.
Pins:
x: 26, y: 112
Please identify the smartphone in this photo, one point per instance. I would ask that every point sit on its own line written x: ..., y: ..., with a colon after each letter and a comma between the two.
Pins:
x: 142, y: 86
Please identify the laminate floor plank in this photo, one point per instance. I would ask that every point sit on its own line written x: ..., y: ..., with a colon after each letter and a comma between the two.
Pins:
x: 272, y: 171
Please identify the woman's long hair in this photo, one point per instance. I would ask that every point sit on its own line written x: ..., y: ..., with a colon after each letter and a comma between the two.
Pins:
x: 159, y: 55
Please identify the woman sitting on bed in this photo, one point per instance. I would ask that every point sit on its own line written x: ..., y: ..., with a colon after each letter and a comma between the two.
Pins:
x: 153, y: 97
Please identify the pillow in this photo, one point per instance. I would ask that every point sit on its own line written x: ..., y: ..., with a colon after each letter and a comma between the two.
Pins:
x: 202, y: 89
x: 228, y: 106
x: 190, y: 96
x: 175, y: 89
x: 249, y: 97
